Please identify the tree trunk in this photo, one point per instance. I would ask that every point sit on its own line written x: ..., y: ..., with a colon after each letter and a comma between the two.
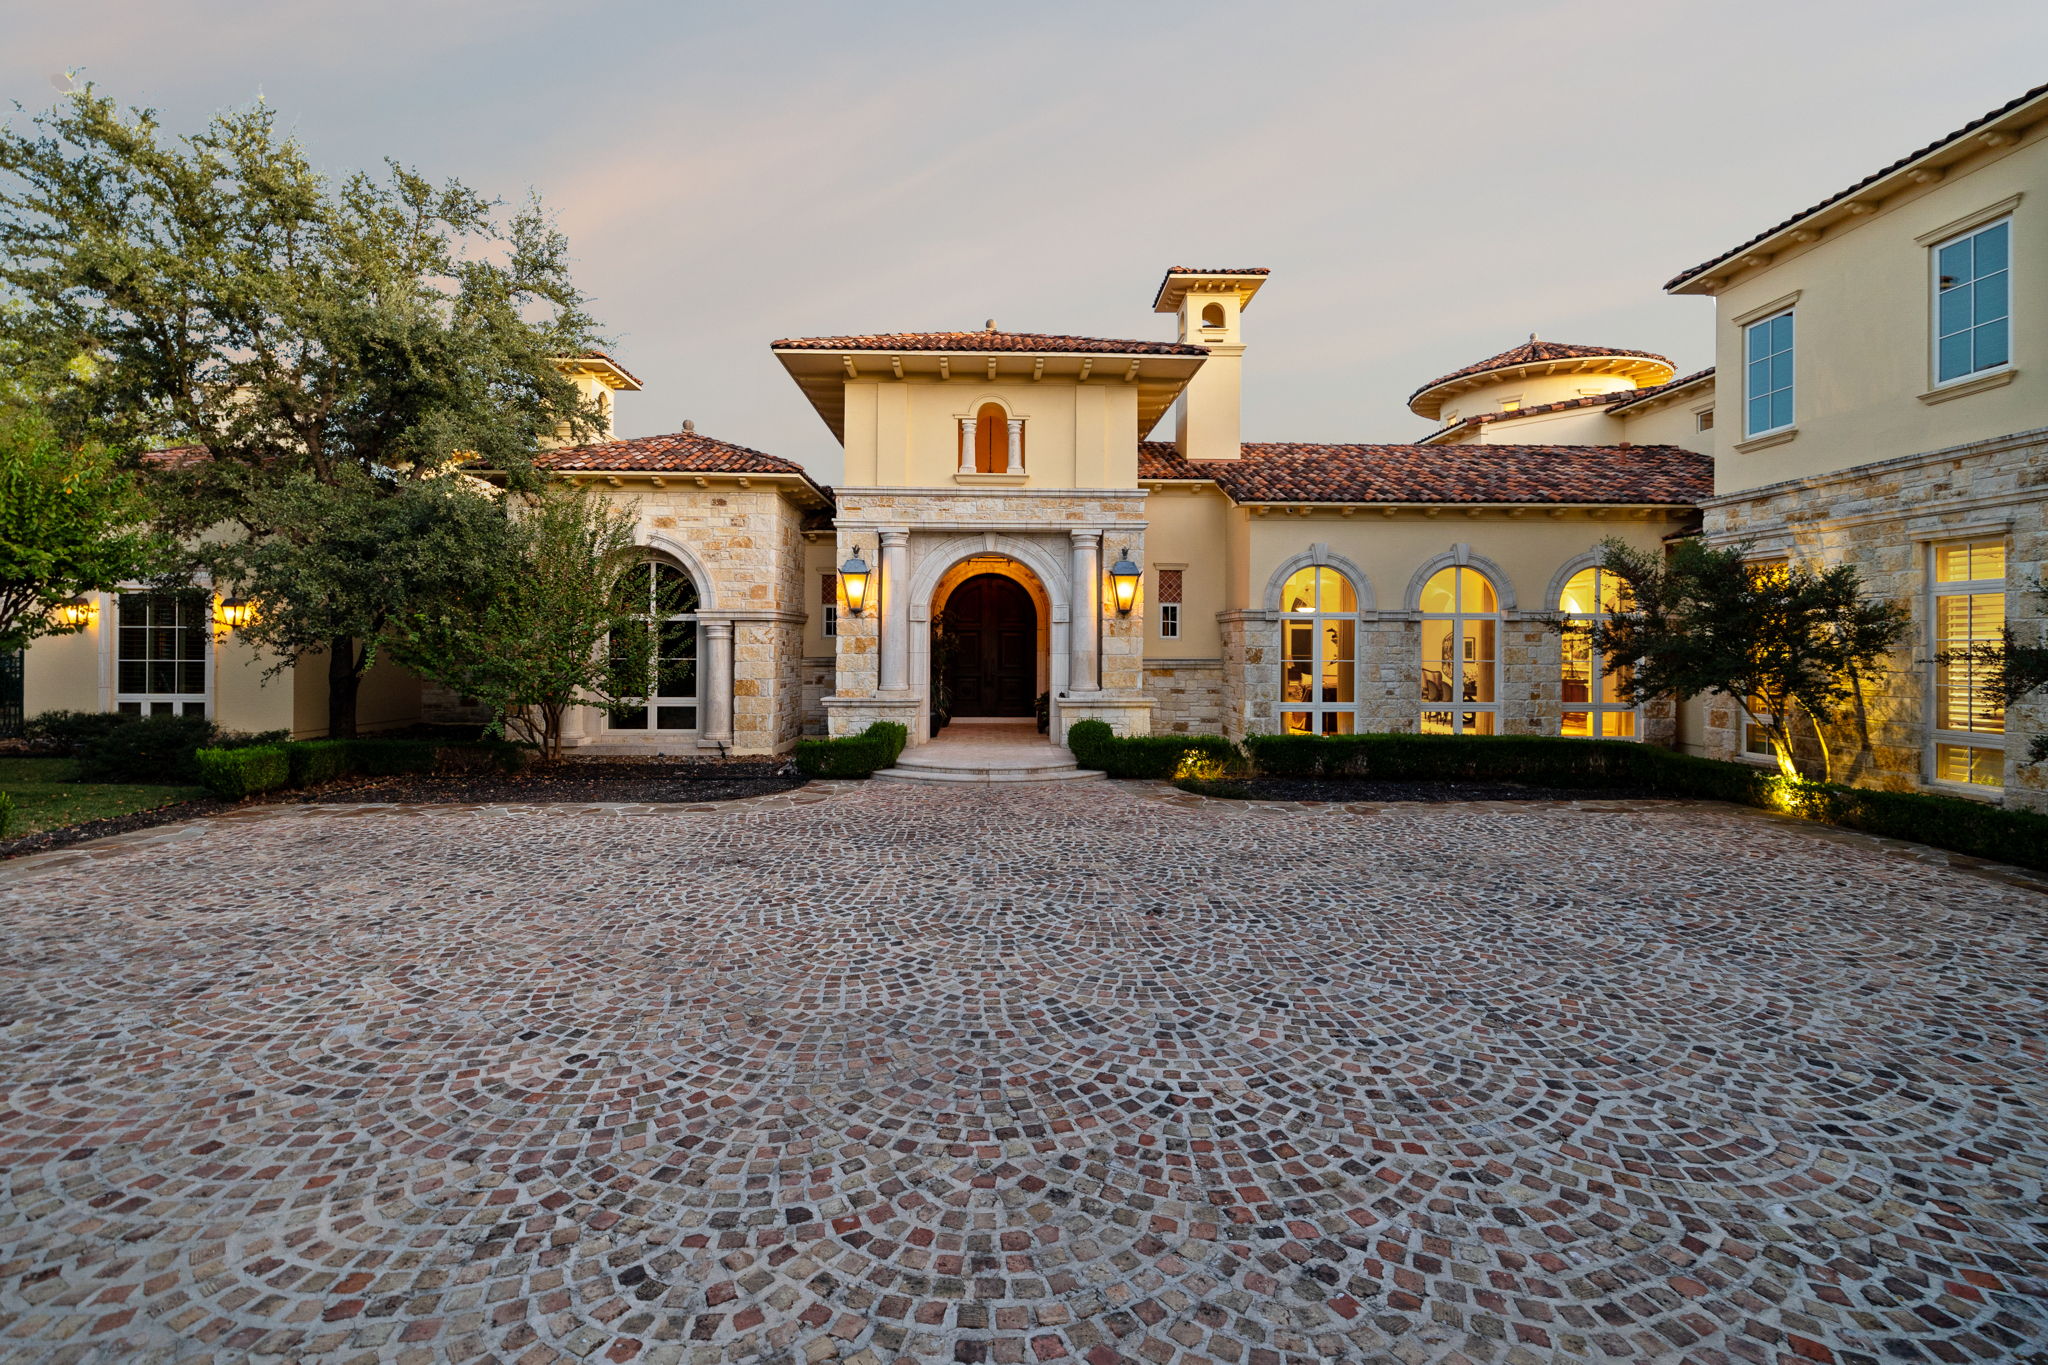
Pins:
x: 343, y: 680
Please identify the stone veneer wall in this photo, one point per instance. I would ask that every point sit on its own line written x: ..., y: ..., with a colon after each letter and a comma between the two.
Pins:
x: 1881, y: 517
x: 816, y: 680
x: 1187, y: 696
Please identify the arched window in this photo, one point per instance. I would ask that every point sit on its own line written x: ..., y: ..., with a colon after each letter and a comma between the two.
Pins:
x: 992, y: 442
x: 668, y: 600
x: 1460, y: 654
x: 1593, y: 705
x: 1318, y: 653
x: 1212, y: 315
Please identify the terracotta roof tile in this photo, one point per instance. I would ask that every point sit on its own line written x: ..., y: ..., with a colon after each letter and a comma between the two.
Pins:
x: 1533, y: 352
x: 1972, y: 126
x: 1619, y: 398
x: 685, y: 452
x: 1628, y: 398
x: 1218, y: 270
x: 174, y: 457
x: 1010, y: 342
x: 1289, y: 471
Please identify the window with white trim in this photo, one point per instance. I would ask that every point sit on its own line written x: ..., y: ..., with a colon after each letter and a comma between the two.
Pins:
x: 1973, y: 302
x: 670, y: 613
x: 1767, y: 374
x: 1593, y: 706
x: 1167, y: 599
x: 1461, y: 626
x: 1318, y: 653
x: 1967, y: 607
x: 830, y: 600
x: 163, y: 643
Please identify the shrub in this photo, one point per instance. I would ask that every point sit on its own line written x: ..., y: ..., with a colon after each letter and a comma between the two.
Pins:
x: 147, y: 749
x: 847, y: 756
x: 1095, y: 745
x: 6, y: 813
x: 244, y: 772
x: 74, y: 727
x: 892, y: 735
x: 319, y: 760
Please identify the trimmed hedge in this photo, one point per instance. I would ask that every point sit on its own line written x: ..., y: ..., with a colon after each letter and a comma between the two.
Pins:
x: 1969, y: 827
x: 312, y: 762
x: 239, y: 773
x: 1095, y: 745
x: 854, y: 756
x: 6, y: 813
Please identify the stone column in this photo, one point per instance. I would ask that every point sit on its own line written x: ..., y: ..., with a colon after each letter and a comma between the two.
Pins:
x: 1086, y: 626
x: 895, y: 605
x: 714, y: 723
x: 966, y: 445
x: 1016, y: 446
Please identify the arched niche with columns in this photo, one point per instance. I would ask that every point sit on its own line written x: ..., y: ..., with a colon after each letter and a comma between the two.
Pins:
x: 991, y: 436
x: 1043, y: 574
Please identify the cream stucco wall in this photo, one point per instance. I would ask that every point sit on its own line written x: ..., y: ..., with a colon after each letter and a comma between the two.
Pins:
x: 906, y: 433
x: 1862, y: 295
x: 1533, y: 390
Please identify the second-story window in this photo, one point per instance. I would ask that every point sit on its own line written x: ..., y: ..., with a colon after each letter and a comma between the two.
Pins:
x: 1767, y: 374
x: 998, y: 442
x: 1973, y: 303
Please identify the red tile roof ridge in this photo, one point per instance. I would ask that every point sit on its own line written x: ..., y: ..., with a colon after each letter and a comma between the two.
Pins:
x: 1311, y: 471
x: 682, y: 452
x: 1611, y: 400
x: 1972, y: 126
x: 1024, y: 342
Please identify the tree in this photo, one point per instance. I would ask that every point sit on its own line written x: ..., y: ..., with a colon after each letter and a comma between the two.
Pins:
x: 551, y: 618
x: 70, y: 523
x: 216, y: 291
x: 1784, y: 640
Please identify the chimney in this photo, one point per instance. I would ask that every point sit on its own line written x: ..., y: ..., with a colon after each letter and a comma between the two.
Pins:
x: 1210, y: 304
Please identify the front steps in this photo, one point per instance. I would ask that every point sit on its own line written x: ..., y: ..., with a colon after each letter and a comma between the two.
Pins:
x: 988, y: 751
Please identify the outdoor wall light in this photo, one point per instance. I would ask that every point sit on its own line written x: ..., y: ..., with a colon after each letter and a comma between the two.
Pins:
x: 236, y: 612
x: 75, y: 611
x: 1124, y: 576
x: 853, y: 576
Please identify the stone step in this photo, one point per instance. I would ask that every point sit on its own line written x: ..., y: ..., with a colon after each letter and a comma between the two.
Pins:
x: 928, y: 772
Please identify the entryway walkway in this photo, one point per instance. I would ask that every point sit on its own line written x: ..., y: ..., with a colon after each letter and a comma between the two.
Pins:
x: 998, y: 749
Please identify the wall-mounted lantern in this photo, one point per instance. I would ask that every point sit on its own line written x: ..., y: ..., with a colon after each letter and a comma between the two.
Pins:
x: 74, y: 612
x: 236, y: 612
x: 1124, y: 575
x: 853, y: 577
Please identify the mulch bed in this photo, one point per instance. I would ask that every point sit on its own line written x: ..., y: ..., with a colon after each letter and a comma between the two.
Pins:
x: 579, y: 781
x: 1365, y: 789
x: 43, y: 840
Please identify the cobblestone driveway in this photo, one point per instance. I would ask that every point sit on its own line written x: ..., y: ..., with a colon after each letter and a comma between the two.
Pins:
x: 1099, y: 1073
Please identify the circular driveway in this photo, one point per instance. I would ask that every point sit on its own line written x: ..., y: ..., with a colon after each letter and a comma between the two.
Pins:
x: 1093, y: 1071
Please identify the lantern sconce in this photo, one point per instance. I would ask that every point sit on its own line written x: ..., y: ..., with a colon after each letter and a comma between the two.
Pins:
x: 236, y: 612
x: 853, y: 577
x: 76, y: 612
x: 1124, y: 575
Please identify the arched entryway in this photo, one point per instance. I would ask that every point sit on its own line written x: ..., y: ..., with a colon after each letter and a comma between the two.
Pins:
x: 985, y: 649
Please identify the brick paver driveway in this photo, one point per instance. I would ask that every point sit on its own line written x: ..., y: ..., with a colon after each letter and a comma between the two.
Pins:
x: 1099, y: 1072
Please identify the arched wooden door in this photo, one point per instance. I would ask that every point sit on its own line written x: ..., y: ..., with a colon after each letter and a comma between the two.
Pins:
x: 992, y: 655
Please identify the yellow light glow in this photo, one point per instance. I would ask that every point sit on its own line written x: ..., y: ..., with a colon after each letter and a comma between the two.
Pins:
x: 1123, y: 577
x: 76, y: 611
x: 235, y: 612
x: 853, y: 580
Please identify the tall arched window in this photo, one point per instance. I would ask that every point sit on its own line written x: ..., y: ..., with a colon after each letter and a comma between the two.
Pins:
x: 669, y: 680
x: 1593, y: 705
x: 1318, y: 653
x: 992, y: 441
x: 1460, y: 654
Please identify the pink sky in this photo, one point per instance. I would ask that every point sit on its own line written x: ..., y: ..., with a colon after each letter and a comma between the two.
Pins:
x: 1429, y: 183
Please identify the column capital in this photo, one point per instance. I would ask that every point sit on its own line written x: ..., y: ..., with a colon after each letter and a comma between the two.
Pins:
x: 1086, y: 537
x: 895, y: 535
x: 717, y: 629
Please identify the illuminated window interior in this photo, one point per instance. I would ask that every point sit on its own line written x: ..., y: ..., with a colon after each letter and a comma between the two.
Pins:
x: 1460, y: 654
x: 1968, y: 609
x: 1318, y: 653
x: 1593, y: 705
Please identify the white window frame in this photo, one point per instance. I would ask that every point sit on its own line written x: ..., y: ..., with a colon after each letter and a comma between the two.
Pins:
x: 1934, y: 250
x: 1748, y: 396
x: 1319, y: 658
x: 650, y: 706
x: 150, y: 702
x: 1594, y: 707
x: 1458, y: 617
x: 1169, y: 620
x: 1967, y: 739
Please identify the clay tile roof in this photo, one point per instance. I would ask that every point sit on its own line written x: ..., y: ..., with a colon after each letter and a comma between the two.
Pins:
x: 1534, y: 352
x: 1619, y: 398
x: 1218, y: 270
x: 1626, y: 397
x: 684, y: 452
x: 1011, y: 342
x: 1972, y: 126
x: 174, y: 457
x: 1289, y: 471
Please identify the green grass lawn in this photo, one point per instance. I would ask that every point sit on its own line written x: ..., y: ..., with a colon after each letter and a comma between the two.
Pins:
x: 47, y: 795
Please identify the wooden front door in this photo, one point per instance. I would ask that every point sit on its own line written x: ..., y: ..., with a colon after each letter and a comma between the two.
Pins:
x: 993, y: 661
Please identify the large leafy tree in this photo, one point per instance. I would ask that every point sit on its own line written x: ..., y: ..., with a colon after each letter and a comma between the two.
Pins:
x: 1792, y: 644
x: 217, y: 291
x: 552, y: 617
x: 71, y: 522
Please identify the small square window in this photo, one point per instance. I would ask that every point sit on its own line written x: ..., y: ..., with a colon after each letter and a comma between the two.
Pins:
x: 1169, y: 620
x: 831, y: 620
x: 1704, y: 421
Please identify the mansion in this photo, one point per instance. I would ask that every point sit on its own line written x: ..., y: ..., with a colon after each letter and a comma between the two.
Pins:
x: 1079, y: 526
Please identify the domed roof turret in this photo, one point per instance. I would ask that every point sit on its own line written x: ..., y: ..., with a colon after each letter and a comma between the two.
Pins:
x: 1536, y: 357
